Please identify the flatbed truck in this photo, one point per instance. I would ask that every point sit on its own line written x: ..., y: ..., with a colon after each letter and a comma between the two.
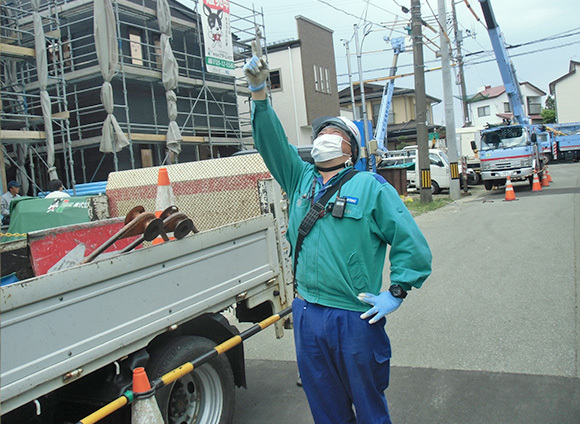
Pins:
x: 71, y: 338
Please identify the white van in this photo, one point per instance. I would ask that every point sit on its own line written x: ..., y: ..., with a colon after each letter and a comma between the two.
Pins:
x: 439, y: 164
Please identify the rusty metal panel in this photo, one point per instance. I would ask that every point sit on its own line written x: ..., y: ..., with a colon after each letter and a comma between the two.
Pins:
x: 48, y: 247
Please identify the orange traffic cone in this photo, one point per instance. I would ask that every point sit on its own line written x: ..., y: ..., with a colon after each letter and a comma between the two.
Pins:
x: 536, y: 186
x: 145, y: 409
x: 509, y: 191
x: 165, y: 197
x: 549, y: 176
x: 545, y: 182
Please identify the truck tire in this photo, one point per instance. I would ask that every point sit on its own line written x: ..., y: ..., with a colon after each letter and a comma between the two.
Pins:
x: 488, y: 184
x: 206, y: 395
x: 473, y: 179
x: 435, y: 187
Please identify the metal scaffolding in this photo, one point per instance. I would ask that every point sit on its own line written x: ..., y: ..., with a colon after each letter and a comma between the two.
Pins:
x: 209, y: 115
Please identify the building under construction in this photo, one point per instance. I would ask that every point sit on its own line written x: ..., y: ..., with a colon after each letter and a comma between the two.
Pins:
x: 90, y: 87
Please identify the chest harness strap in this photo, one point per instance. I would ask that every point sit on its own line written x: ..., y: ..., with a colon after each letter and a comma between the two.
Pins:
x: 315, y: 212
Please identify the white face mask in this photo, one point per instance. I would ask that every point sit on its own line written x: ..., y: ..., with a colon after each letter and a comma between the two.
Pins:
x: 326, y: 147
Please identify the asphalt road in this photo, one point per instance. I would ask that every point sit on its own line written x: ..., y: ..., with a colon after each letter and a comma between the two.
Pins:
x: 493, y: 336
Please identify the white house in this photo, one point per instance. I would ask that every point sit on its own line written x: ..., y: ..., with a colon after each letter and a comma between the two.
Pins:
x: 566, y: 92
x: 491, y: 104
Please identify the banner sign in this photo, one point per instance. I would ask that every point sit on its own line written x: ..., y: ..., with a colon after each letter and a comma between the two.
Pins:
x: 219, y: 53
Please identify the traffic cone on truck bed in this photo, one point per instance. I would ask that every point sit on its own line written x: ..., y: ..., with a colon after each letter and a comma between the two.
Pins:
x: 536, y: 186
x: 165, y: 197
x: 145, y: 409
x: 509, y: 191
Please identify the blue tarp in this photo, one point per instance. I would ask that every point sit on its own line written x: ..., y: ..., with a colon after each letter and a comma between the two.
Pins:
x: 86, y: 189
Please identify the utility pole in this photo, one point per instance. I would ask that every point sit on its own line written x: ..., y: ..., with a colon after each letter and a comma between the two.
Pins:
x: 420, y: 104
x: 450, y: 136
x: 462, y: 92
x: 366, y: 156
x: 354, y: 113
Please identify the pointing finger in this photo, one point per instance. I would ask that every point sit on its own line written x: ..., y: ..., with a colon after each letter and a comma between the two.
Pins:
x: 257, y: 48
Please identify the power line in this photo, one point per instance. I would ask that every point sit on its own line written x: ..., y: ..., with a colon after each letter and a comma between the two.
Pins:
x: 473, y: 13
x: 559, y: 36
x: 348, y: 13
x: 469, y: 64
x: 388, y: 68
x: 524, y: 53
x: 440, y: 26
x: 385, y: 10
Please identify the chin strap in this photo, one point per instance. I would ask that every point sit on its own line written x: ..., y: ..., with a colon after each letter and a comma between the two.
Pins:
x: 346, y: 164
x: 331, y: 168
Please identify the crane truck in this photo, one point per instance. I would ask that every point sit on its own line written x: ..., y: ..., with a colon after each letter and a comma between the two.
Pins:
x: 565, y: 140
x: 398, y: 45
x: 71, y: 337
x: 508, y: 150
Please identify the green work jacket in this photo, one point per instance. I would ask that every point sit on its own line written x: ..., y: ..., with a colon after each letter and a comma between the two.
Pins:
x: 342, y: 257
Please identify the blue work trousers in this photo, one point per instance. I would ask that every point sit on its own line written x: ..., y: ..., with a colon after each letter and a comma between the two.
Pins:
x: 343, y: 361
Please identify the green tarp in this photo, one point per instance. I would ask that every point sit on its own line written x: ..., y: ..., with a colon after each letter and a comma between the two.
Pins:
x: 31, y: 214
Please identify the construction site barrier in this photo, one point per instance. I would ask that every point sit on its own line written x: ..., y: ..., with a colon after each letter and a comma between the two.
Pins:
x: 186, y: 368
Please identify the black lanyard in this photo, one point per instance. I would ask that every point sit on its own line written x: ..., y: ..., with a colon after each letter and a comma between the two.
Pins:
x: 316, y: 211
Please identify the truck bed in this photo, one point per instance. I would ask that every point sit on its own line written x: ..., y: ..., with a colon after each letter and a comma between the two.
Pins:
x: 64, y: 325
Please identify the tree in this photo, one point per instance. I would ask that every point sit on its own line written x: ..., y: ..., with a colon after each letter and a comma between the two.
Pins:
x: 548, y: 116
x: 402, y: 143
x: 549, y: 113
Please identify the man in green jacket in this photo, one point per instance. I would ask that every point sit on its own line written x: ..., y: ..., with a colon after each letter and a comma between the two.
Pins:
x: 343, y: 358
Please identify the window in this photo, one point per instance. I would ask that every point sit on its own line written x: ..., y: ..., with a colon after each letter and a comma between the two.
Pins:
x: 275, y: 80
x: 534, y: 106
x: 321, y: 80
x: 483, y: 111
x: 506, y: 107
x: 316, y: 82
x: 435, y: 160
x: 135, y: 45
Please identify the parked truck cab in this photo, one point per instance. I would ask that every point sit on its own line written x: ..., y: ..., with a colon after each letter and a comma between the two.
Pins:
x: 438, y: 161
x: 510, y: 150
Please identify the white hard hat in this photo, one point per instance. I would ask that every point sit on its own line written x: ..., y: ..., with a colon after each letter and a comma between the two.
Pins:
x: 344, y: 124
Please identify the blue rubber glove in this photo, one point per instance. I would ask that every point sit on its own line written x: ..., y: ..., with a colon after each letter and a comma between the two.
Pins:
x: 383, y: 304
x: 256, y: 70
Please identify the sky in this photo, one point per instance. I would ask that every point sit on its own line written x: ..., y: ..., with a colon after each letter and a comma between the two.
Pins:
x: 551, y: 30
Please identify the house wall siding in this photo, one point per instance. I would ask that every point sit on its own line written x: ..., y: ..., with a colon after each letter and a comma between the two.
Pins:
x: 567, y: 94
x: 317, y: 49
x: 290, y: 96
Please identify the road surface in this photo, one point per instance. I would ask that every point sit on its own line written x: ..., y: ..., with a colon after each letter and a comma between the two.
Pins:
x: 493, y: 335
